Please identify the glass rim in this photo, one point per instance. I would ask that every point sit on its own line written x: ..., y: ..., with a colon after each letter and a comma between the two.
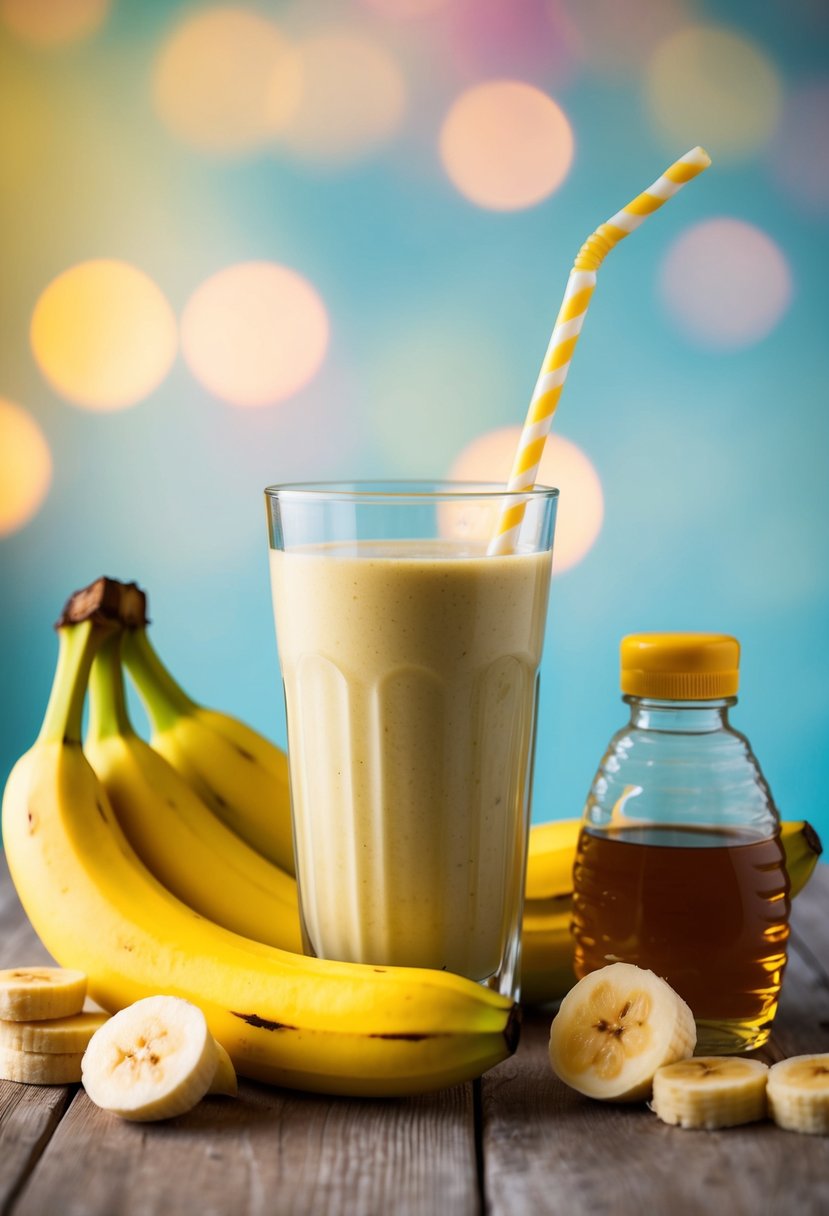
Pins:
x: 395, y: 491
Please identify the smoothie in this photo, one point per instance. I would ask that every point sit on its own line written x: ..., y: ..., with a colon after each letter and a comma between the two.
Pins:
x: 410, y: 675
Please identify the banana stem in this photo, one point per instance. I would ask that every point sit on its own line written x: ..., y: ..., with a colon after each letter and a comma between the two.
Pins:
x: 107, y: 705
x: 78, y: 645
x: 164, y: 699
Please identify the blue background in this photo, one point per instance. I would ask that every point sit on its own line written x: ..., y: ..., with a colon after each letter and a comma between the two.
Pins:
x: 712, y: 461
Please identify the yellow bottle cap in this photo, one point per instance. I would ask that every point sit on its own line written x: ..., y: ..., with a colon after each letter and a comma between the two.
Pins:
x: 680, y: 666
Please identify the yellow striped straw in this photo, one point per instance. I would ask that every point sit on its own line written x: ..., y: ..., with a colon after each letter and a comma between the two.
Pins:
x: 580, y: 287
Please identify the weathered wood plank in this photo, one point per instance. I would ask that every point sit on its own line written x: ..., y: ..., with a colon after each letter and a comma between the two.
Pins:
x: 262, y: 1153
x: 268, y: 1151
x: 29, y: 1115
x: 546, y: 1149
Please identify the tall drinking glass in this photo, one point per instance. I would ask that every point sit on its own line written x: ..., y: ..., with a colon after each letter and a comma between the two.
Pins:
x: 409, y: 660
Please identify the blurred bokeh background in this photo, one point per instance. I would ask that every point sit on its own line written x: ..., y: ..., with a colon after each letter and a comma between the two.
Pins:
x: 264, y: 242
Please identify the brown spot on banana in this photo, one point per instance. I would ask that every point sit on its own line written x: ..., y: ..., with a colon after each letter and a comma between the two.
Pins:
x: 260, y: 1023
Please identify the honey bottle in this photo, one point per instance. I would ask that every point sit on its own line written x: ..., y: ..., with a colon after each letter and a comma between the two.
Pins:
x: 679, y: 865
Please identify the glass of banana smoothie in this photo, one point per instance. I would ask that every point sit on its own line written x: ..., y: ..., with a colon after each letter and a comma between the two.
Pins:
x: 409, y: 660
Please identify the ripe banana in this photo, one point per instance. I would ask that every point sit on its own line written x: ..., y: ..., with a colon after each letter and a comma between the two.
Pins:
x: 153, y: 1060
x: 546, y: 950
x: 798, y: 1094
x: 242, y: 776
x: 550, y: 858
x: 34, y: 993
x: 179, y: 839
x: 283, y: 1018
x: 615, y: 1028
x: 802, y: 847
x: 711, y: 1092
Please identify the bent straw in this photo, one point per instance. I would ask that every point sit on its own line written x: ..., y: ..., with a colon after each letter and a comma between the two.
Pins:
x: 577, y: 294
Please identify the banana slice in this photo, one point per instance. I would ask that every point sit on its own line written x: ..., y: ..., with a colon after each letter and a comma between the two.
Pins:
x: 153, y: 1060
x: 40, y: 1067
x: 615, y: 1028
x: 224, y: 1080
x: 58, y: 1036
x: 798, y: 1093
x: 710, y: 1092
x: 32, y: 994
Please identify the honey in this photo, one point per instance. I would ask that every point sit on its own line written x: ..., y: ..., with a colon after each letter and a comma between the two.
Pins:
x: 706, y: 908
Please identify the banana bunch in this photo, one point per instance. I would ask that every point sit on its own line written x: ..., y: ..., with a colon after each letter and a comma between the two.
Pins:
x: 282, y: 1017
x: 169, y: 845
x: 241, y: 779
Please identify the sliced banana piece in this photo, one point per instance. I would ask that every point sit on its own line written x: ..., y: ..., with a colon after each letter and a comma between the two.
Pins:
x: 40, y: 1067
x: 224, y: 1080
x: 710, y: 1092
x: 798, y: 1094
x: 153, y: 1060
x: 54, y: 1037
x: 615, y: 1028
x: 32, y: 994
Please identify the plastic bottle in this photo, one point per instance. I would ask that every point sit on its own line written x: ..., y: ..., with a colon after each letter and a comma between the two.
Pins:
x: 679, y: 866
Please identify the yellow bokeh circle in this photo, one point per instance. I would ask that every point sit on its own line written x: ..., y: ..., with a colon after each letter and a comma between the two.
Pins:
x: 506, y: 145
x: 726, y: 283
x: 352, y: 98
x: 563, y: 465
x: 103, y: 334
x: 25, y: 467
x: 53, y: 22
x: 254, y: 333
x: 226, y: 80
x: 711, y: 86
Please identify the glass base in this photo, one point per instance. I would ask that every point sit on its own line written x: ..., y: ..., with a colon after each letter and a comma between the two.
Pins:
x: 729, y: 1038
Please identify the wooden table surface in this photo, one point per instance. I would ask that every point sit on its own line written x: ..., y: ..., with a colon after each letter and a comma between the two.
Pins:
x: 517, y: 1142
